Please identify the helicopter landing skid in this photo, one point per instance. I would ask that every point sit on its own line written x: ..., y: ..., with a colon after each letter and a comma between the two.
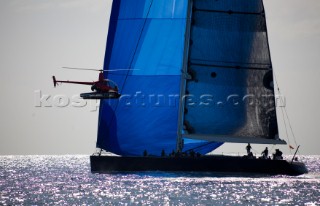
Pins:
x: 99, y: 95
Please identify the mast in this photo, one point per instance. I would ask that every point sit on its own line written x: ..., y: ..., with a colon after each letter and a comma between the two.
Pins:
x: 184, y: 76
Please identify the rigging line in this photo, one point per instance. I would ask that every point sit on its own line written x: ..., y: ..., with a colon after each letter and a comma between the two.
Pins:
x: 294, y: 138
x: 136, y: 48
x: 256, y: 152
x: 130, y: 65
x: 272, y: 148
x: 284, y: 119
x: 283, y: 111
x: 285, y: 126
x: 274, y: 74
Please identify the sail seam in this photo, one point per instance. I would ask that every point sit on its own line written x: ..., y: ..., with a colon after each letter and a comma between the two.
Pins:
x: 145, y: 75
x: 128, y: 19
x: 231, y: 62
x: 228, y: 67
x: 229, y: 12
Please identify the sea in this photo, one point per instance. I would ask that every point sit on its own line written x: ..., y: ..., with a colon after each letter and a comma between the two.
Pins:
x: 67, y: 180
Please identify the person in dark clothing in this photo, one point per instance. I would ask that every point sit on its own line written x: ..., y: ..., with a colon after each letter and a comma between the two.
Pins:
x: 265, y: 153
x: 172, y: 154
x: 145, y: 153
x: 163, y: 153
x: 277, y: 155
x: 248, y: 148
x: 192, y: 153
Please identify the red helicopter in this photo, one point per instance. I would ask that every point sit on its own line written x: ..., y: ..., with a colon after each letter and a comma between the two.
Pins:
x: 104, y: 88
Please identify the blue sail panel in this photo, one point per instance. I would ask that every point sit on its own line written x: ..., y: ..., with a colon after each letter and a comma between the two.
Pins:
x: 146, y: 36
x: 160, y: 52
x: 143, y: 118
x: 141, y: 9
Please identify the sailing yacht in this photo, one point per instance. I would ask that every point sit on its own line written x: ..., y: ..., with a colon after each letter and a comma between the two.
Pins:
x: 199, y: 74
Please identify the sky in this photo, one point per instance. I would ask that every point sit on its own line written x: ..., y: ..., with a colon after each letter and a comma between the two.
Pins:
x: 38, y: 37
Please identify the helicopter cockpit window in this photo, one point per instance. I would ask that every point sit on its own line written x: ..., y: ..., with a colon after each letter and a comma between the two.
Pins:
x: 110, y: 83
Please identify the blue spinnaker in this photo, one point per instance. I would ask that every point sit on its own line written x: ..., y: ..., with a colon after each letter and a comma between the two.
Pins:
x: 147, y: 36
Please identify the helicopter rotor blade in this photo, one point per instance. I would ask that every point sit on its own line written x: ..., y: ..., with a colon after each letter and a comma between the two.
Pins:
x: 100, y: 70
x: 114, y: 70
x: 82, y: 68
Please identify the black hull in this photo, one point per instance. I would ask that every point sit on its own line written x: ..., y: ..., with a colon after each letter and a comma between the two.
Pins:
x: 220, y: 164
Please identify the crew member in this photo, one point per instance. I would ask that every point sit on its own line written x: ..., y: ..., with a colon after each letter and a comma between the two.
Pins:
x: 248, y: 148
x: 277, y: 155
x: 265, y: 153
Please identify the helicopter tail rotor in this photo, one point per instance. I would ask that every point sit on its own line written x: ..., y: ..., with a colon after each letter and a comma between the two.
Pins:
x: 54, y: 81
